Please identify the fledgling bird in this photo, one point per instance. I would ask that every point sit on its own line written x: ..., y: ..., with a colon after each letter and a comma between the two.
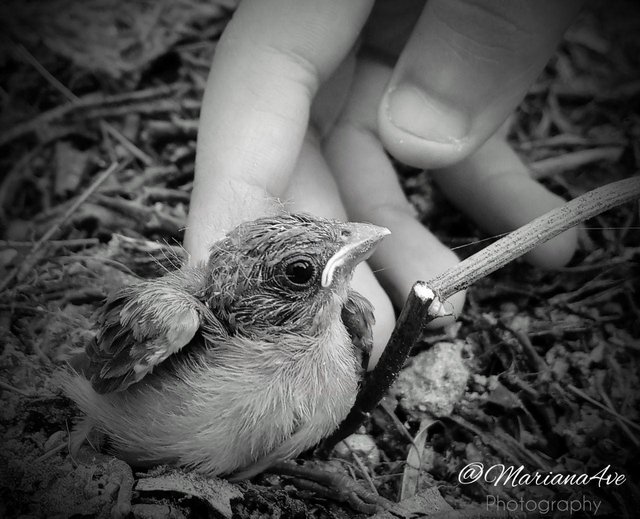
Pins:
x: 230, y: 367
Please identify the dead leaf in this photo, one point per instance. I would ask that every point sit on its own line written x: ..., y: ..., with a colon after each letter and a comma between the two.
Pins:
x: 215, y: 493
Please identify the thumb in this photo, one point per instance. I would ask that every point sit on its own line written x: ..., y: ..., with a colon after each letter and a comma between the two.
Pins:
x: 466, y: 66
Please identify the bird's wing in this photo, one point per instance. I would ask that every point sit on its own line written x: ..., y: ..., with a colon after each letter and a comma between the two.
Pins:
x: 358, y: 319
x: 141, y: 326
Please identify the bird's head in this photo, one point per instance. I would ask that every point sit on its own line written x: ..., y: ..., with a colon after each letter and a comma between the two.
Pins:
x: 282, y: 272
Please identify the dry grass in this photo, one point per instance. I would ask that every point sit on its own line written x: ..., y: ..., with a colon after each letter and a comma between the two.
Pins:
x: 97, y: 160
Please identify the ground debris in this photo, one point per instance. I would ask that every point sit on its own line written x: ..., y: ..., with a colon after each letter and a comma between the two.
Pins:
x: 546, y: 365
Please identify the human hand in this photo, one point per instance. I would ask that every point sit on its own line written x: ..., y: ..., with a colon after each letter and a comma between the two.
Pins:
x: 431, y: 86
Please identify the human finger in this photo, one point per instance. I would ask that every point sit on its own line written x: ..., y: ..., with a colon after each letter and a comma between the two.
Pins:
x: 267, y: 68
x: 466, y: 66
x: 494, y: 188
x: 371, y: 192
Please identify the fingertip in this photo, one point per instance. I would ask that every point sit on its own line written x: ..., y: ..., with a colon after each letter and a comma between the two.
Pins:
x: 196, y: 246
x: 493, y: 187
x: 420, y: 258
x: 555, y: 253
x: 453, y: 306
x: 421, y: 130
x: 465, y: 67
x: 366, y: 284
x: 382, y: 329
x: 526, y: 199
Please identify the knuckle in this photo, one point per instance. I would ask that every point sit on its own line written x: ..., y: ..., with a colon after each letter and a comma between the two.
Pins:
x: 295, y: 66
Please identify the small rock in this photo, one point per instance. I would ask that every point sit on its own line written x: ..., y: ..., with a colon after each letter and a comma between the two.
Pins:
x: 472, y: 453
x: 70, y: 166
x: 7, y: 256
x: 154, y: 511
x: 361, y: 445
x: 8, y: 409
x: 434, y: 382
x: 54, y: 440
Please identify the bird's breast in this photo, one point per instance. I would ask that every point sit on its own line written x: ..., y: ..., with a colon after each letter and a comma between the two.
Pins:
x: 234, y: 403
x: 277, y: 387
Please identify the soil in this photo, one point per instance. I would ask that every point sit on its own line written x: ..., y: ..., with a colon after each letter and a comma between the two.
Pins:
x: 99, y: 116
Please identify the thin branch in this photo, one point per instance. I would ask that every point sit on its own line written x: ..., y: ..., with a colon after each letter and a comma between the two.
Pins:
x: 127, y: 144
x: 28, y: 261
x: 79, y: 201
x: 75, y: 103
x: 425, y: 302
x: 31, y: 60
x: 420, y: 308
x: 609, y: 410
x: 574, y: 161
x: 519, y: 242
x: 9, y: 387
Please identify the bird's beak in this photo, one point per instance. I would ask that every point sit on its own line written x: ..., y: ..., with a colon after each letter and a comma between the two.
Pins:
x: 359, y: 240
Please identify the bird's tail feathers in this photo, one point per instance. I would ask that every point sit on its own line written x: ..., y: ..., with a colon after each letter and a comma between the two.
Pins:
x: 78, y: 389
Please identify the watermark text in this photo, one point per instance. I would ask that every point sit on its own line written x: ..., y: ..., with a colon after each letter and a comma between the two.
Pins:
x: 517, y: 476
x: 543, y: 506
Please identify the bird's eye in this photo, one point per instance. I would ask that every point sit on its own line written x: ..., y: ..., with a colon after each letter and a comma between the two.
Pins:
x: 300, y: 272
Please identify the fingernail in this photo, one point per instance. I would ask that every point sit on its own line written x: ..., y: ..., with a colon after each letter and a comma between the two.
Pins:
x: 410, y: 110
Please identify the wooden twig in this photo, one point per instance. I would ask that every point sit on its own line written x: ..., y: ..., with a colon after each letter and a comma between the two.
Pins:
x: 50, y: 453
x: 31, y: 60
x: 519, y: 242
x: 71, y: 97
x: 363, y: 470
x: 79, y: 201
x: 11, y: 180
x: 420, y: 308
x: 564, y: 140
x: 72, y: 243
x: 594, y: 402
x: 28, y: 261
x: 609, y: 404
x: 140, y: 99
x: 427, y: 300
x: 574, y: 160
x: 127, y: 144
x: 9, y: 387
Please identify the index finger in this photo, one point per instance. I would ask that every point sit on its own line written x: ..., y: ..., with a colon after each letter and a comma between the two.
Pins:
x: 268, y: 65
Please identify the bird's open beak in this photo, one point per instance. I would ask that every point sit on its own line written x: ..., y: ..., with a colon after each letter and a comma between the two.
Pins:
x: 360, y: 239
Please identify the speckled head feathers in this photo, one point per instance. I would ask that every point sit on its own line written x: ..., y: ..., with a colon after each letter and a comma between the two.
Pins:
x: 281, y: 269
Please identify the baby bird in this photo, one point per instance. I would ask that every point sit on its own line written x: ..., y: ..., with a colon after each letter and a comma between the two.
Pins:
x: 230, y: 367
